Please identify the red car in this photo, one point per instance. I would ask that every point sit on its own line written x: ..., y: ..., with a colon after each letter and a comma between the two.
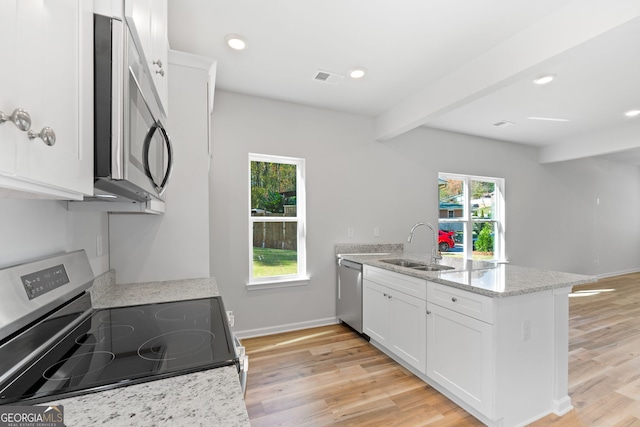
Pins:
x: 445, y: 240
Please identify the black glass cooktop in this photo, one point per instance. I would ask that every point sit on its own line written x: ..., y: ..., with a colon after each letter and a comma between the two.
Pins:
x: 127, y: 345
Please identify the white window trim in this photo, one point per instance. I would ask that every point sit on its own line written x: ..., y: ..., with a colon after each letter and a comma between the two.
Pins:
x: 499, y: 253
x: 301, y: 278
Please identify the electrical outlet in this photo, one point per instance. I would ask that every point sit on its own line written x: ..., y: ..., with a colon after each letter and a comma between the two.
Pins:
x: 350, y: 232
x: 376, y: 231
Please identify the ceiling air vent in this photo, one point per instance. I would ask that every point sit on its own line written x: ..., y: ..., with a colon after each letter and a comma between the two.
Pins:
x: 503, y: 124
x: 327, y: 77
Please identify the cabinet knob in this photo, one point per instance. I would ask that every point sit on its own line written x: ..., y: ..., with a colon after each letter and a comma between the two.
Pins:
x: 19, y: 117
x: 159, y: 64
x: 47, y: 135
x: 454, y: 299
x: 428, y: 312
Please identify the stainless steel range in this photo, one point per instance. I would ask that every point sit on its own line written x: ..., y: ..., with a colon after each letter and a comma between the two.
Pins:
x: 53, y: 344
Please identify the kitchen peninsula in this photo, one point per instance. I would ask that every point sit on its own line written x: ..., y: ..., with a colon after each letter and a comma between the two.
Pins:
x: 491, y: 337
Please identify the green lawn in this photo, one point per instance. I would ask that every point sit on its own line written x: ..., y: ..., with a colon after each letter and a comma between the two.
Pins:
x: 274, y: 262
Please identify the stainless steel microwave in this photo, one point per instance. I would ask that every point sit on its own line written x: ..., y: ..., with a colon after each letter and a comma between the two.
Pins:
x: 133, y: 156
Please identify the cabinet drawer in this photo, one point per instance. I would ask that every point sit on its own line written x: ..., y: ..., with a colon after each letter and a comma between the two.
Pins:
x: 474, y: 305
x: 399, y: 282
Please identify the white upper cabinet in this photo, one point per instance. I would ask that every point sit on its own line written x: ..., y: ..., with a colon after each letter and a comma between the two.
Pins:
x: 149, y: 19
x: 8, y: 90
x: 47, y: 72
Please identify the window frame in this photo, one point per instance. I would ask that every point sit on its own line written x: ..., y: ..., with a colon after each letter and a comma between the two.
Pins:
x: 301, y: 278
x: 499, y: 213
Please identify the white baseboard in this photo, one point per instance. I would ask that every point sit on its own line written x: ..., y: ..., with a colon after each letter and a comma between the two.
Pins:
x: 259, y: 332
x: 562, y: 406
x: 617, y: 273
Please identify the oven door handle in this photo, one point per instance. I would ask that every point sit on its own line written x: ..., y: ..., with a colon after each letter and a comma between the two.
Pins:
x: 157, y: 126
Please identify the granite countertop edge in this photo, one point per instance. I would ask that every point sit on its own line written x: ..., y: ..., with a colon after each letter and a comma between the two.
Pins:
x: 523, y: 280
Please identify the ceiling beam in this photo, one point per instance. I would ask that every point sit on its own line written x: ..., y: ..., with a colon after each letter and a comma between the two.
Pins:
x: 574, y: 24
x: 620, y: 138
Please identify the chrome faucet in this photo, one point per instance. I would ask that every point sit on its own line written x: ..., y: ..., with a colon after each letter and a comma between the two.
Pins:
x: 435, y: 255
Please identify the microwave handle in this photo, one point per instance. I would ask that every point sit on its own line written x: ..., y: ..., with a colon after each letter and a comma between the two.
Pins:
x: 147, y: 145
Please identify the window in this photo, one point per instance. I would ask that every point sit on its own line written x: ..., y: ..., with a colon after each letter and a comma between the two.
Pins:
x: 473, y: 208
x: 276, y: 220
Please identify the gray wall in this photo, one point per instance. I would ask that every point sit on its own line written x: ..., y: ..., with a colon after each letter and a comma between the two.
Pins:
x: 553, y: 220
x: 32, y: 229
x: 174, y: 245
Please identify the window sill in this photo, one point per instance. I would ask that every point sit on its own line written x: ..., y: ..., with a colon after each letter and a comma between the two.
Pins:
x: 273, y: 284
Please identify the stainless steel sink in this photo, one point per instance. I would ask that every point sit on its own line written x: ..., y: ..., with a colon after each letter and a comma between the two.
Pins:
x: 415, y: 265
x: 433, y: 267
x: 404, y: 263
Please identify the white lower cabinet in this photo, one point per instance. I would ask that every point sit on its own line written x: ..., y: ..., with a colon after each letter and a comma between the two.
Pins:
x: 460, y: 356
x: 498, y: 358
x: 396, y: 321
x: 375, y: 311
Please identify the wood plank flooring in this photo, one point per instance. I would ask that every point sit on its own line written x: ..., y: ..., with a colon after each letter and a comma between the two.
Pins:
x: 329, y: 376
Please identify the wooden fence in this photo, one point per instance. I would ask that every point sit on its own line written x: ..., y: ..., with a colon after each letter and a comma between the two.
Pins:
x: 275, y: 235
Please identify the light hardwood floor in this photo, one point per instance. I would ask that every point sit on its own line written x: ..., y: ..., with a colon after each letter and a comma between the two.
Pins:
x: 329, y: 376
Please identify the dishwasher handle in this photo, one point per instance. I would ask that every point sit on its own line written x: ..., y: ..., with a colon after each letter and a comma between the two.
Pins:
x: 349, y: 264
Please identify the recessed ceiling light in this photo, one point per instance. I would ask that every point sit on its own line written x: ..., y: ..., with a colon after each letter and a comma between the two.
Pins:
x: 632, y: 113
x: 548, y: 119
x: 236, y: 42
x: 543, y: 80
x: 357, y: 73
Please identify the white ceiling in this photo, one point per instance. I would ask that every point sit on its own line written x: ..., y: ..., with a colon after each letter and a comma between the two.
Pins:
x: 456, y: 65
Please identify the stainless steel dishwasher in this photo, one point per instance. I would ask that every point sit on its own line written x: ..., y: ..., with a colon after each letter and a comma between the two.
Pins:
x: 349, y: 302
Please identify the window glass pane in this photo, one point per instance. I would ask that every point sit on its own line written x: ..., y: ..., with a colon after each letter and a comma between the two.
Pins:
x: 480, y: 210
x: 483, y: 239
x: 482, y: 197
x: 273, y: 189
x: 451, y: 199
x: 450, y: 238
x: 275, y: 249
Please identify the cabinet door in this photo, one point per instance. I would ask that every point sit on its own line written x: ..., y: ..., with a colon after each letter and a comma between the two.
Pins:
x: 159, y: 57
x: 375, y: 311
x: 54, y: 84
x: 408, y: 329
x: 9, y: 134
x: 149, y: 19
x: 460, y: 356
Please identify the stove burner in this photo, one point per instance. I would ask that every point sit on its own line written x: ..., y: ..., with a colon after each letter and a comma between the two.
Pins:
x: 78, y: 366
x: 126, y: 316
x: 196, y: 311
x: 106, y: 333
x: 176, y: 344
x: 101, y: 349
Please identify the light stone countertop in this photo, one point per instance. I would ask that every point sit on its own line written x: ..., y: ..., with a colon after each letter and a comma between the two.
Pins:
x: 208, y: 398
x: 482, y: 277
x: 152, y: 292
